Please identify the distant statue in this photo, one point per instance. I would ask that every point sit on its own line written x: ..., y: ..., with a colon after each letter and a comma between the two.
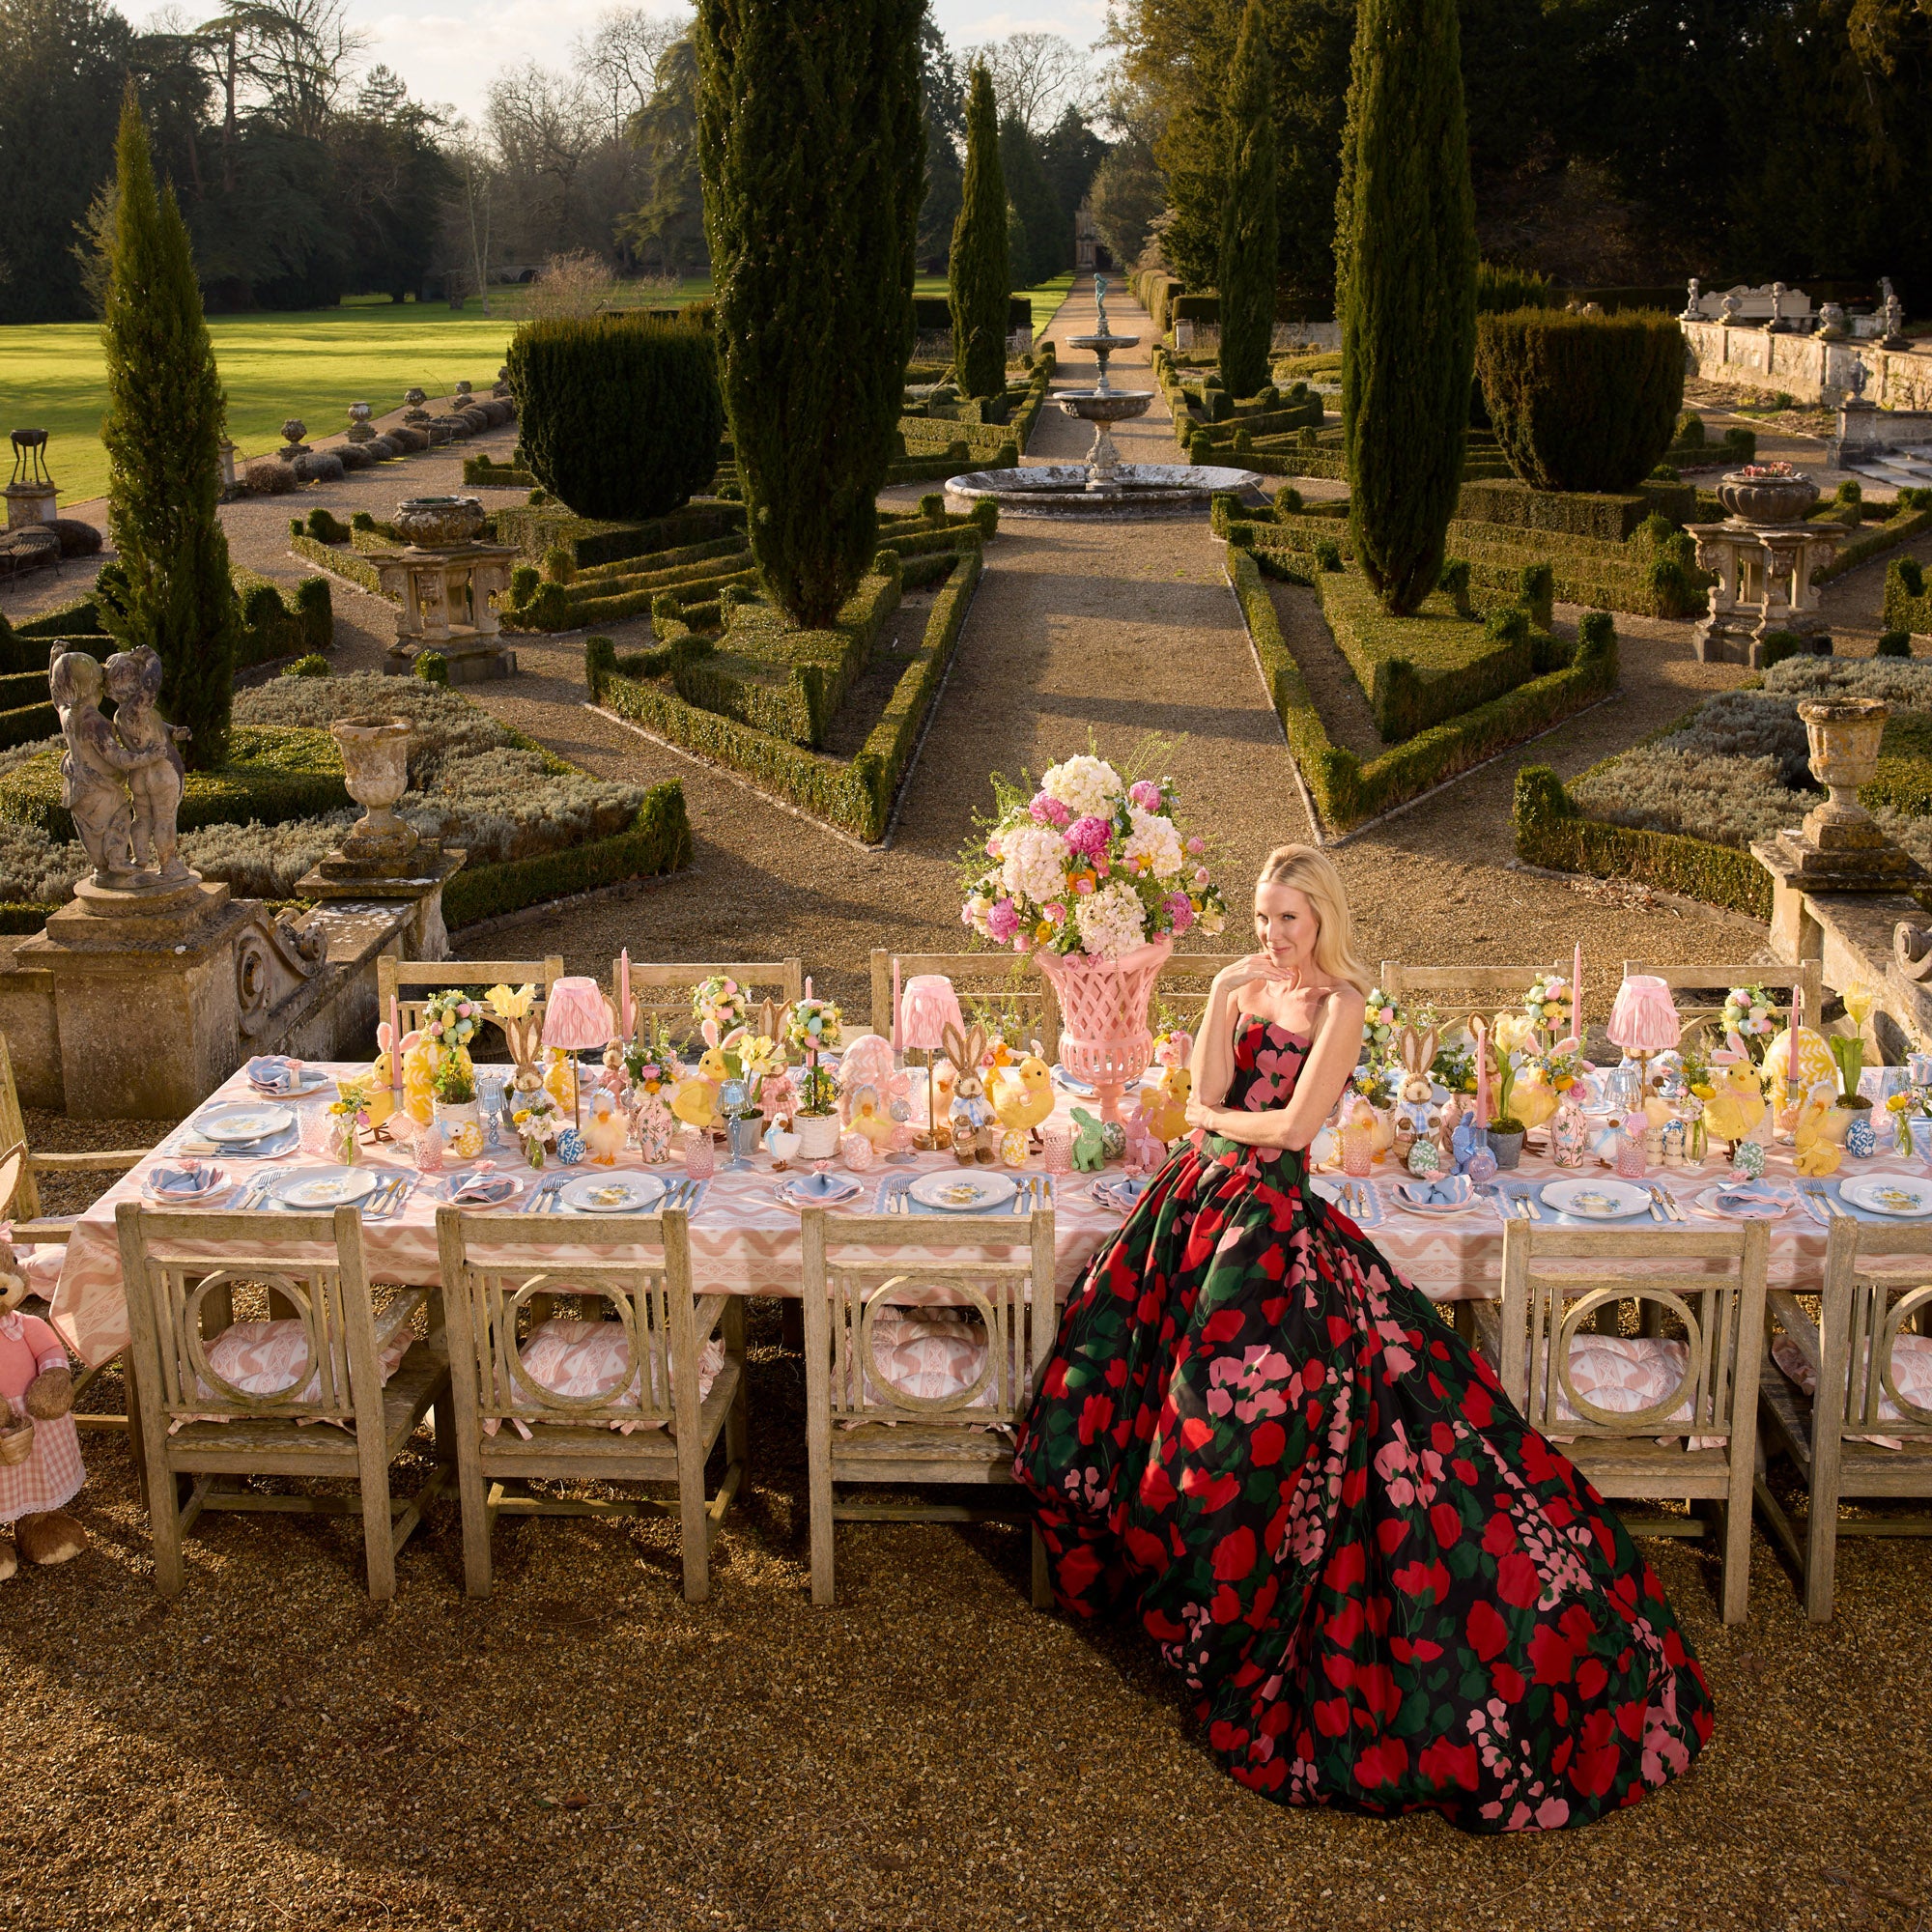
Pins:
x: 1855, y: 381
x: 134, y: 684
x: 1694, y: 307
x: 94, y: 781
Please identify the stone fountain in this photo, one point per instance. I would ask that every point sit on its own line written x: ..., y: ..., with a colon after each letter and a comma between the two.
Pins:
x: 1103, y: 486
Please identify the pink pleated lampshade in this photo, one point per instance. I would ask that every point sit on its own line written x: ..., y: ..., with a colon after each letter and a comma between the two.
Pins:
x: 577, y: 1015
x: 1644, y: 1017
x: 929, y: 1007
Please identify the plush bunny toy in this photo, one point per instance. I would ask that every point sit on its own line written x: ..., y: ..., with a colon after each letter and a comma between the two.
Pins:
x: 40, y: 1454
x: 1415, y: 1098
x: 976, y: 1132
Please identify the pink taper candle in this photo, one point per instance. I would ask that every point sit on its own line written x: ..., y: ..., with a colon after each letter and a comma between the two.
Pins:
x: 626, y: 1012
x: 396, y: 1045
x: 1482, y: 1072
x: 896, y: 1003
x: 1576, y: 995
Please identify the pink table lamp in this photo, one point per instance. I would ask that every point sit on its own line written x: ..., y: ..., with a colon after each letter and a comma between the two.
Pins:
x: 577, y: 1015
x: 928, y: 1007
x: 1643, y: 1020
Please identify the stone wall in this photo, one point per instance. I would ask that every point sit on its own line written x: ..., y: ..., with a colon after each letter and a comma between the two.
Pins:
x: 935, y: 345
x: 1807, y: 368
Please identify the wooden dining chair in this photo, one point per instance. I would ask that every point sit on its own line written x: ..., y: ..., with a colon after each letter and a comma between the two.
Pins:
x: 1848, y: 1398
x: 663, y: 990
x: 941, y: 1404
x: 331, y: 1391
x: 395, y: 978
x: 35, y: 1227
x: 641, y: 1398
x: 1669, y: 1412
x: 1462, y: 992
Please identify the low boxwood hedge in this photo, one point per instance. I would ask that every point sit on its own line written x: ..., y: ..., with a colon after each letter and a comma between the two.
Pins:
x: 1551, y: 830
x: 1611, y: 519
x: 1900, y: 526
x: 535, y: 528
x: 1344, y: 789
x: 1908, y: 597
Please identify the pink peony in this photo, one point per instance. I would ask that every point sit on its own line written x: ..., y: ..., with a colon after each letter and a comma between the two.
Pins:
x: 1088, y: 837
x: 1181, y: 909
x: 1083, y: 884
x: 1049, y: 811
x: 1196, y: 847
x: 1003, y: 922
x: 1146, y: 794
x: 1056, y: 913
x: 1201, y: 875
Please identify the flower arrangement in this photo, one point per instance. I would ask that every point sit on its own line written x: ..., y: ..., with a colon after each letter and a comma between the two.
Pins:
x: 651, y: 1059
x: 1376, y: 1082
x: 717, y: 1004
x: 1752, y: 1015
x: 1550, y: 1005
x: 351, y: 1101
x: 1455, y: 1066
x: 1766, y: 469
x: 452, y: 1019
x: 1380, y: 1025
x: 813, y: 1027
x: 1561, y: 1069
x: 1091, y: 862
x: 537, y: 1120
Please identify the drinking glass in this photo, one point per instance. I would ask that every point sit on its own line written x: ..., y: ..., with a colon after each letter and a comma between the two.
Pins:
x: 698, y: 1159
x: 1056, y: 1148
x: 316, y: 1130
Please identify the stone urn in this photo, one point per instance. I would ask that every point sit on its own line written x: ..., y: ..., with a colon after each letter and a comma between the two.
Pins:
x: 1767, y: 499
x: 415, y: 412
x: 1844, y: 734
x: 1831, y: 323
x: 293, y: 445
x: 439, y: 522
x: 359, y: 423
x: 376, y: 769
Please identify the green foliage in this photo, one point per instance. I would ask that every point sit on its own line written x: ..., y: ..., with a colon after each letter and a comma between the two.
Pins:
x: 811, y: 147
x: 163, y: 425
x: 1405, y: 271
x: 1498, y: 290
x: 1582, y: 402
x: 325, y: 528
x: 1044, y: 239
x: 523, y: 580
x: 315, y: 664
x: 1908, y: 603
x: 1894, y: 644
x: 620, y: 414
x: 559, y: 564
x: 979, y: 276
x: 1248, y: 226
x: 432, y: 667
x: 1905, y: 523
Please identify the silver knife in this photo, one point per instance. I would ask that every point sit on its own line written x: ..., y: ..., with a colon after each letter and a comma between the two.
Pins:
x: 1532, y: 1208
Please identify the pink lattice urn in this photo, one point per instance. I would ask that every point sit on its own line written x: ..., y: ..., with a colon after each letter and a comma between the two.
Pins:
x: 1104, y: 1037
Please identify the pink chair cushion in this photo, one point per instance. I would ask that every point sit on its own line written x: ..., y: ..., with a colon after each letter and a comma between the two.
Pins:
x: 265, y: 1358
x: 929, y: 1353
x: 1624, y: 1374
x: 1911, y: 1370
x: 584, y: 1359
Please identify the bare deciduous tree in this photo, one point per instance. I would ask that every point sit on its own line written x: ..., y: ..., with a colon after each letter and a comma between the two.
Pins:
x: 622, y: 61
x: 1037, y: 76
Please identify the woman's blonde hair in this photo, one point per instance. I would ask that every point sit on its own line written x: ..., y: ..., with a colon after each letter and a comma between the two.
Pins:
x: 1310, y: 871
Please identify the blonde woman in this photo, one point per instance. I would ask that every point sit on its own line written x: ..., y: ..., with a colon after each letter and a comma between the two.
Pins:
x: 1382, y: 1588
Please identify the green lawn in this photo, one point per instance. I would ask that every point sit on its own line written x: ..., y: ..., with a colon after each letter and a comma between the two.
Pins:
x: 312, y: 365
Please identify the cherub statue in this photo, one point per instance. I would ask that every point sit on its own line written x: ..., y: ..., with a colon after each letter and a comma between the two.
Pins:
x: 92, y: 785
x: 134, y: 684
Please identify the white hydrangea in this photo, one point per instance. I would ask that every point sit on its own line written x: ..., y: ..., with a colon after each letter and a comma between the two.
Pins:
x: 1153, y: 838
x: 1088, y: 787
x: 1111, y: 921
x: 1032, y: 863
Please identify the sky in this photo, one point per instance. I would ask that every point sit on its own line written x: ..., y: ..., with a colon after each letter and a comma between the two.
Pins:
x: 451, y: 53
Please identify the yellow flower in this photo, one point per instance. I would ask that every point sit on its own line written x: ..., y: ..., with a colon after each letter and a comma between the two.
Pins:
x: 1514, y: 1032
x: 1703, y: 1090
x: 1898, y: 1103
x: 1858, y: 1002
x: 511, y: 1006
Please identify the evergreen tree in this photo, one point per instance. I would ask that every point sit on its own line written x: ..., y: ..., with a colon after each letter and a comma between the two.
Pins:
x: 944, y: 105
x: 980, y: 277
x: 163, y: 429
x: 1049, y: 241
x: 811, y: 144
x: 1247, y: 213
x: 1406, y: 292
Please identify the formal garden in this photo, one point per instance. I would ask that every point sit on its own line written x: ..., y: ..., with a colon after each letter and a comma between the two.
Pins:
x: 523, y: 917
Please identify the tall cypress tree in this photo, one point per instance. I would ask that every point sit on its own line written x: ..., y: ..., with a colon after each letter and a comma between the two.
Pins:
x: 163, y: 431
x: 811, y: 147
x: 979, y: 279
x: 1406, y: 292
x: 1049, y: 238
x: 1248, y: 226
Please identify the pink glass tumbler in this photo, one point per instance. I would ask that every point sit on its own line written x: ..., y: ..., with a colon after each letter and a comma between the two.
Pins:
x: 1057, y: 1149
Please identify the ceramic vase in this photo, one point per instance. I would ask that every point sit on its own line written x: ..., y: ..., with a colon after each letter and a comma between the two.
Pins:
x: 461, y: 1124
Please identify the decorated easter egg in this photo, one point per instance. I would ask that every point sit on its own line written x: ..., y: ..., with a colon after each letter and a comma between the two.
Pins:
x: 856, y: 1152
x: 1861, y: 1142
x: 1013, y: 1146
x: 1748, y: 1160
x: 1112, y: 1140
x: 1425, y: 1157
x: 1814, y: 1060
x: 570, y: 1148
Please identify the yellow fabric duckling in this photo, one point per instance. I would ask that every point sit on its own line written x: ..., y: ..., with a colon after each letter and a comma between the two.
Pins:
x: 1737, y: 1106
x: 1164, y: 1105
x: 696, y: 1099
x: 1813, y: 1151
x: 1024, y: 1096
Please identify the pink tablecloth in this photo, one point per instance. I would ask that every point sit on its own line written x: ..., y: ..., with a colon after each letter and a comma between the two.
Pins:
x: 745, y: 1242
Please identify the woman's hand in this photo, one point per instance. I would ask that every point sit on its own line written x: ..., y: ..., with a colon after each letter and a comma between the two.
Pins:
x: 1251, y: 971
x: 1201, y: 1115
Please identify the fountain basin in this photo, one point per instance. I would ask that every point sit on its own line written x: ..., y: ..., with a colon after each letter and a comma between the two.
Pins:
x: 1109, y: 342
x: 1134, y: 490
x: 1104, y: 404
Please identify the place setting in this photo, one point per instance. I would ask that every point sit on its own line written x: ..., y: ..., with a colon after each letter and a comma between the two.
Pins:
x: 964, y: 1191
x: 242, y: 1131
x: 1877, y: 1198
x: 377, y: 1194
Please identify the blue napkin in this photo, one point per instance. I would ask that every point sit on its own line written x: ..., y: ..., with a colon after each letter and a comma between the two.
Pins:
x: 1451, y: 1190
x: 275, y: 1073
x: 1744, y: 1200
x: 189, y: 1177
x: 823, y: 1187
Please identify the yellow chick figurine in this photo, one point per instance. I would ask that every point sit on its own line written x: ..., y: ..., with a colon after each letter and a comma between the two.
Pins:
x: 1813, y: 1151
x: 1024, y: 1097
x: 867, y: 1115
x: 694, y: 1100
x: 1736, y: 1108
x: 1164, y: 1107
x: 606, y: 1129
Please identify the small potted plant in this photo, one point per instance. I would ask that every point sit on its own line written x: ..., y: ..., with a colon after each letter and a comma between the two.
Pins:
x: 453, y: 1094
x: 1849, y: 1051
x: 535, y: 1118
x: 813, y: 1027
x: 1505, y: 1131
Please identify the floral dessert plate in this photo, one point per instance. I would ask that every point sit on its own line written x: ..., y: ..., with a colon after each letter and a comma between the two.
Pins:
x: 964, y: 1193
x: 243, y: 1123
x: 1896, y: 1194
x: 1596, y: 1200
x: 616, y: 1194
x: 326, y: 1186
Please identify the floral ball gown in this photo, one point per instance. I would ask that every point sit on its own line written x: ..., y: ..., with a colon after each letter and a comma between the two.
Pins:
x: 1384, y: 1589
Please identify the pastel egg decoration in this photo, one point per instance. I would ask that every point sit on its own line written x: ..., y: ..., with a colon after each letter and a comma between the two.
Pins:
x: 466, y: 1141
x: 1112, y: 1140
x: 1425, y: 1157
x: 1013, y: 1145
x: 1861, y: 1142
x: 570, y: 1148
x: 1748, y: 1160
x: 856, y: 1152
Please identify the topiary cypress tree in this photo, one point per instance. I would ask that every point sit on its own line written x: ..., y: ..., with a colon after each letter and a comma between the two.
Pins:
x: 1406, y: 274
x: 1248, y: 225
x: 163, y: 431
x: 813, y: 151
x: 979, y: 278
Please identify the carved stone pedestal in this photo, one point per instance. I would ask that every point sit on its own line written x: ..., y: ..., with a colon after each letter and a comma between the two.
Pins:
x: 343, y: 888
x: 29, y: 503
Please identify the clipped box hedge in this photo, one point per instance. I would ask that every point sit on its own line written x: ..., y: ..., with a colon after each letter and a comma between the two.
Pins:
x: 537, y: 528
x: 855, y: 795
x: 1901, y: 527
x: 1551, y: 830
x: 486, y: 471
x: 276, y: 623
x: 1611, y: 519
x: 1908, y: 597
x: 1343, y: 788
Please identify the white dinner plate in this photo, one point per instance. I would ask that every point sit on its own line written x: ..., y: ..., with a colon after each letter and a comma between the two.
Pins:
x: 315, y: 1187
x: 247, y: 1121
x: 1596, y: 1200
x: 964, y: 1193
x: 612, y: 1194
x: 1899, y: 1195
